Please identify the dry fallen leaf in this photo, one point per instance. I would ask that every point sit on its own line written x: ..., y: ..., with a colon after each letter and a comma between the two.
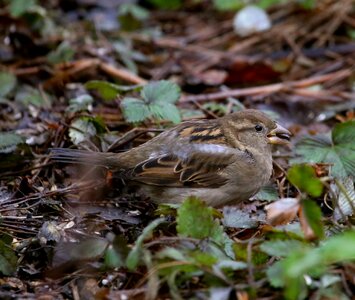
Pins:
x: 282, y: 211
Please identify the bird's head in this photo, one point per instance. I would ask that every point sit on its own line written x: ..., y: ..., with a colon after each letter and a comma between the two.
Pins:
x: 254, y: 128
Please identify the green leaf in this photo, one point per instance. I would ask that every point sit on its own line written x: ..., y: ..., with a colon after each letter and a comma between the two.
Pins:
x: 161, y: 92
x: 308, y: 4
x: 80, y: 103
x: 265, y: 4
x: 8, y: 259
x: 275, y: 275
x: 131, y: 16
x: 134, y: 110
x: 313, y: 215
x: 9, y: 141
x: 304, y: 177
x: 228, y: 4
x: 135, y: 254
x: 195, y: 219
x: 267, y: 193
x: 116, y: 253
x: 337, y: 148
x: 19, y: 7
x: 63, y: 53
x: 28, y: 95
x: 231, y: 265
x: 112, y: 258
x: 166, y: 111
x: 163, y: 4
x: 282, y: 248
x: 158, y: 100
x: 138, y: 12
x: 109, y: 91
x: 7, y: 83
x: 81, y: 129
x: 160, y: 97
x: 203, y: 259
x: 336, y: 249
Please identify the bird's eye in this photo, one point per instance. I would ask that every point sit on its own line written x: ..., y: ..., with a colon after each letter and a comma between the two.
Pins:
x: 258, y: 128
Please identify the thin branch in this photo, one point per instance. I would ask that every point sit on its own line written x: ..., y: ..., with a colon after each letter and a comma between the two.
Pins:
x: 267, y: 89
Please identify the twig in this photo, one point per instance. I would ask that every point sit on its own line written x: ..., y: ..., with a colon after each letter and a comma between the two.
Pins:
x: 267, y: 89
x: 122, y: 74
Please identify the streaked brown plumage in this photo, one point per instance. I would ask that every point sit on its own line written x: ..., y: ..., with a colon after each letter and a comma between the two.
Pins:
x: 222, y: 161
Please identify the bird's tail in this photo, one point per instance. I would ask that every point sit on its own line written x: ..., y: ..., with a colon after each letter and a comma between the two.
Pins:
x: 74, y: 156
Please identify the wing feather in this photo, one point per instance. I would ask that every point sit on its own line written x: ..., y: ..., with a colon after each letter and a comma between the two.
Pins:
x: 199, y: 165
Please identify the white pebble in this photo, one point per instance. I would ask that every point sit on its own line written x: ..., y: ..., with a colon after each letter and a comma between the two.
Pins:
x: 251, y: 19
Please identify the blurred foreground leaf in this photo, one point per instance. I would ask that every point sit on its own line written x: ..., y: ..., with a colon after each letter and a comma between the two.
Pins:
x: 312, y: 219
x: 301, y: 261
x: 304, y: 177
x: 135, y: 254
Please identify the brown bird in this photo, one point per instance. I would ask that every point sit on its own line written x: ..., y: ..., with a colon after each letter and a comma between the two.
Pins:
x: 221, y: 161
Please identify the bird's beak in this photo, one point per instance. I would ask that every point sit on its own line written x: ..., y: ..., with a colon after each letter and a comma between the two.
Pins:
x: 279, y: 135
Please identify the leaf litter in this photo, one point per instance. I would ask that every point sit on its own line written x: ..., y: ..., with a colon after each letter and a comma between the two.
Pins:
x: 69, y: 232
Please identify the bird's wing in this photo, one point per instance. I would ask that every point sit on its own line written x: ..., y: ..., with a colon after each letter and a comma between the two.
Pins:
x: 197, y: 165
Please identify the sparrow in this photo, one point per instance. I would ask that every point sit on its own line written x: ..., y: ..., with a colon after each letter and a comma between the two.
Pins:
x: 221, y: 161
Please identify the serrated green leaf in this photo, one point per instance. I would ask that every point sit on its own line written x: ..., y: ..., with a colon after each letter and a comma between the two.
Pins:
x: 313, y: 215
x: 135, y: 110
x: 134, y: 255
x: 161, y: 92
x: 7, y: 83
x: 9, y: 141
x: 193, y: 211
x: 304, y: 177
x: 166, y: 111
x: 336, y: 148
x: 109, y: 91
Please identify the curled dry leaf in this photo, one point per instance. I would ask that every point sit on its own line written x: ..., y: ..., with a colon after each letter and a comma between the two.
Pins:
x: 282, y: 211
